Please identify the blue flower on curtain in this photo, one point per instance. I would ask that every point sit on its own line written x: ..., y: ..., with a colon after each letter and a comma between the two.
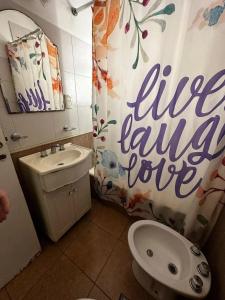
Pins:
x: 213, y: 15
x: 111, y: 163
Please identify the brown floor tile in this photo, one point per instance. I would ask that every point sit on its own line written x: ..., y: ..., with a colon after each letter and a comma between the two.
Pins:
x: 97, y: 294
x: 124, y: 236
x: 91, y: 249
x: 117, y: 276
x: 71, y: 235
x: 109, y: 219
x: 4, y: 295
x: 62, y: 282
x: 21, y: 284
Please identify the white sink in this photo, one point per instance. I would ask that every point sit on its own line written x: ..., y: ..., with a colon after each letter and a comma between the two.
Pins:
x: 60, y: 168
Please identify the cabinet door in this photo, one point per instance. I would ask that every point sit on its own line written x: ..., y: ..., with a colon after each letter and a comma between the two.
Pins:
x: 61, y: 210
x: 83, y: 196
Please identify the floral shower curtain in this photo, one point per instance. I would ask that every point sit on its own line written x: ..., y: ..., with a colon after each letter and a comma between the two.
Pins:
x: 158, y: 110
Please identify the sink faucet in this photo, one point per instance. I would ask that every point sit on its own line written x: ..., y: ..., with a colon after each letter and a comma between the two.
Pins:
x: 61, y: 147
x: 53, y: 148
x: 44, y: 153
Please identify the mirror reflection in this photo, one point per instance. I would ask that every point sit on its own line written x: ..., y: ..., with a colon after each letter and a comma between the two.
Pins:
x: 35, y: 83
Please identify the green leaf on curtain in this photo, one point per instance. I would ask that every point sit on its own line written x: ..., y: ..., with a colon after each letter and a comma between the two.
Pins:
x: 134, y: 66
x: 32, y: 55
x: 133, y: 39
x: 100, y: 147
x: 104, y: 130
x: 202, y: 220
x: 144, y: 55
x: 44, y: 76
x: 168, y: 10
x: 96, y: 107
x: 154, y: 6
x: 112, y: 122
x: 121, y: 17
x: 160, y: 22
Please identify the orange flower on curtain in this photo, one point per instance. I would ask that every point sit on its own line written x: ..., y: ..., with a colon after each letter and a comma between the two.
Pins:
x: 105, y: 18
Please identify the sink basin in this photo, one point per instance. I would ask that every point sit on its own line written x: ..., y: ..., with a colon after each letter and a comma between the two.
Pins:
x: 59, y: 159
x: 60, y: 168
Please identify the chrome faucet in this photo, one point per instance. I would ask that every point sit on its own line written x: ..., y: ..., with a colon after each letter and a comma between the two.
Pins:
x: 61, y: 147
x: 53, y: 148
x: 44, y: 153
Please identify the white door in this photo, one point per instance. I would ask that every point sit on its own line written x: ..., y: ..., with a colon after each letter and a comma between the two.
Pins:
x: 18, y: 239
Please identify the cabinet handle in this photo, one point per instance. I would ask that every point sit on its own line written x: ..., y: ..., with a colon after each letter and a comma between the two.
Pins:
x: 1, y: 145
x: 66, y: 128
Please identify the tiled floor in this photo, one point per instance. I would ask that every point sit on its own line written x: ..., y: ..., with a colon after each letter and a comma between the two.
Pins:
x: 91, y: 260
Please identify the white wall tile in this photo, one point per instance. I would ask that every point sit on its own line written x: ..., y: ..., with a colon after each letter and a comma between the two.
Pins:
x: 8, y: 127
x: 84, y: 90
x: 85, y: 119
x: 38, y: 127
x: 68, y: 118
x: 82, y: 53
x: 64, y: 43
x: 5, y: 72
x: 69, y: 84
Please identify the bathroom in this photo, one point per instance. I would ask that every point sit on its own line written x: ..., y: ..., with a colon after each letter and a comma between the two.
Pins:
x: 112, y: 149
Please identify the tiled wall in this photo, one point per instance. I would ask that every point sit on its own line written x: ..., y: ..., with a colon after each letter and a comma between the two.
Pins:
x: 215, y: 253
x: 75, y: 62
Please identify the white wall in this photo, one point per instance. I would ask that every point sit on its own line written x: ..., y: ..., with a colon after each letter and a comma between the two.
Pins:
x: 75, y: 60
x: 58, y: 12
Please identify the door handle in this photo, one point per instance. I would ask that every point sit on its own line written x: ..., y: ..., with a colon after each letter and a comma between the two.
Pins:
x: 3, y: 156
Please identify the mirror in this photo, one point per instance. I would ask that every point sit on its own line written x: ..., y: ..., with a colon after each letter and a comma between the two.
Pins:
x: 30, y: 80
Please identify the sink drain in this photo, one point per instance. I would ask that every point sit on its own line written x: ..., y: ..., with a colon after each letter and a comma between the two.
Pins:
x: 149, y: 252
x: 172, y: 268
x: 60, y: 164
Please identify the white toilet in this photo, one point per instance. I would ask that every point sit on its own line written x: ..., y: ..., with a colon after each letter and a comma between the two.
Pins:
x: 166, y: 264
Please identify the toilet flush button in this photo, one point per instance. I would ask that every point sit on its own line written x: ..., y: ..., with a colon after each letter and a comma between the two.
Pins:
x: 195, y: 250
x: 196, y: 283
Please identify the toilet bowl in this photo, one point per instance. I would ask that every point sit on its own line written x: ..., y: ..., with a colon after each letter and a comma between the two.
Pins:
x: 166, y: 263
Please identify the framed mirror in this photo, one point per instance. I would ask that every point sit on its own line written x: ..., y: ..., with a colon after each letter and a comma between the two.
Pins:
x: 31, y: 81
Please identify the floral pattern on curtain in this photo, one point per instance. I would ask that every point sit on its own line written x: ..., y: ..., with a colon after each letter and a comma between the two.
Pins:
x: 158, y: 110
x: 36, y: 74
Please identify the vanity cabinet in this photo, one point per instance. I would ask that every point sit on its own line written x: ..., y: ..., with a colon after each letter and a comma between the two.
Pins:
x: 63, y: 207
x: 58, y: 187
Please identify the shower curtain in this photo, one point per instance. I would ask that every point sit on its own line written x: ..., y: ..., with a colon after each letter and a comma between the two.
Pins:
x: 158, y: 110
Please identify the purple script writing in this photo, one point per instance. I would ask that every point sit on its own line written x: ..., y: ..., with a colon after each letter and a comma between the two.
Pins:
x: 35, y: 98
x: 140, y: 142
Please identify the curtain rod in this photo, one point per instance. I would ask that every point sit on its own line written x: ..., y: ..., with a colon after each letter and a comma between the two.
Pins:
x: 75, y: 11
